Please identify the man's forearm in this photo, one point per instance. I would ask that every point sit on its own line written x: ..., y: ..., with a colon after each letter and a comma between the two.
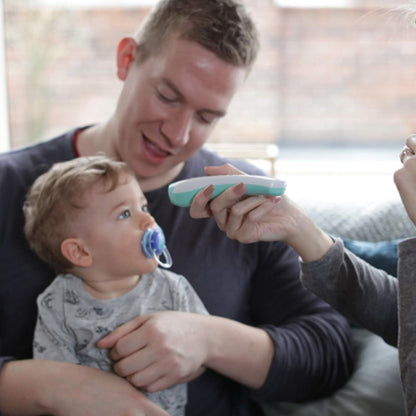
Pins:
x: 21, y: 388
x: 239, y: 351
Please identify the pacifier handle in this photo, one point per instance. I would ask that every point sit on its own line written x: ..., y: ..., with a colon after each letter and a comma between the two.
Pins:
x: 154, y: 245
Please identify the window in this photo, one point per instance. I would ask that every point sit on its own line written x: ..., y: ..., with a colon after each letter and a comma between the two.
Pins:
x: 305, y: 4
x: 4, y: 113
x: 88, y: 4
x: 329, y: 76
x: 333, y: 4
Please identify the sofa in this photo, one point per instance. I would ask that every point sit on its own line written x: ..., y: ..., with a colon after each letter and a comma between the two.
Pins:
x: 371, y: 228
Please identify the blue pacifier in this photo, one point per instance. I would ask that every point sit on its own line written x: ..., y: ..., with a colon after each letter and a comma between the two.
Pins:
x: 154, y: 245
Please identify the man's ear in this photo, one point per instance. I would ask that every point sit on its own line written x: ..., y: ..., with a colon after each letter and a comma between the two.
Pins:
x: 126, y: 54
x: 75, y: 250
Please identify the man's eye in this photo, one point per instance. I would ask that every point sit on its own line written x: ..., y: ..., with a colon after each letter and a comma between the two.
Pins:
x: 207, y: 119
x: 145, y: 208
x: 125, y: 214
x: 166, y: 98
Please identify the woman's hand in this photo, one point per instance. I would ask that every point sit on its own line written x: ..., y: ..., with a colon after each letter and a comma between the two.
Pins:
x: 260, y: 218
x: 236, y: 214
x: 405, y: 177
x: 158, y: 350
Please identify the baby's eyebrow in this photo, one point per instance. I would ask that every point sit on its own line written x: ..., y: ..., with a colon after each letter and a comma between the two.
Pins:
x: 118, y: 206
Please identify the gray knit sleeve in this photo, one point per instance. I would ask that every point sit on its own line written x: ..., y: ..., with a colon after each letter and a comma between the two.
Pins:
x: 407, y: 320
x: 364, y: 294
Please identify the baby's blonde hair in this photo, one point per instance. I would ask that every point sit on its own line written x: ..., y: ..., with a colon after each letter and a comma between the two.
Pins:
x: 58, y: 195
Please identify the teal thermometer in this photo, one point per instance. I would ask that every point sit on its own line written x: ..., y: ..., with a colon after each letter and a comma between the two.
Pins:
x: 182, y: 193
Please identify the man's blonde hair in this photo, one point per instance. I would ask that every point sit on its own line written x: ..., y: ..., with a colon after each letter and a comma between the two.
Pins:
x: 222, y: 26
x: 58, y: 195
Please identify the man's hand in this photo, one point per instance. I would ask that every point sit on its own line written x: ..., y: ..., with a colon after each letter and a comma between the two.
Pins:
x: 158, y: 350
x: 64, y: 389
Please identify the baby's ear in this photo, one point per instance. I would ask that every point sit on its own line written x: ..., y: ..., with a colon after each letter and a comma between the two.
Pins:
x: 76, y: 251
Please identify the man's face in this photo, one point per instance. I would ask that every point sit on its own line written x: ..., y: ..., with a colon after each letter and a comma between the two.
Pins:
x: 169, y: 106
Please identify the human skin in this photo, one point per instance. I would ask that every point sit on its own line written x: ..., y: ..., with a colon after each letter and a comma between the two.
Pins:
x: 260, y: 218
x: 405, y: 178
x: 104, y: 245
x: 38, y: 387
x: 167, y: 108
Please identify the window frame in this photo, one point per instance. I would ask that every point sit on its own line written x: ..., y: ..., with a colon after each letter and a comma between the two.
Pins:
x: 313, y: 4
x: 4, y: 105
x: 88, y: 4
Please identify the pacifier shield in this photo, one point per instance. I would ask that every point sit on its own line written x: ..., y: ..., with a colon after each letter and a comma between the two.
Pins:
x: 154, y: 245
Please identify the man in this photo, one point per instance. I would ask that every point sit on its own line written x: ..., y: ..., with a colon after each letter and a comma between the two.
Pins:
x: 267, y: 337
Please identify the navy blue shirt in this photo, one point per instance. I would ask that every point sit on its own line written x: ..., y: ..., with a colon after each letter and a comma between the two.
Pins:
x: 257, y: 284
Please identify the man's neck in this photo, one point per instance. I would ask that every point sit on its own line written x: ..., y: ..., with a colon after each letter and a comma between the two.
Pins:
x: 93, y: 140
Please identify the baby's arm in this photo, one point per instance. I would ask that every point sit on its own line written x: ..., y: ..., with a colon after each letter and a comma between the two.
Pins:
x: 52, y: 340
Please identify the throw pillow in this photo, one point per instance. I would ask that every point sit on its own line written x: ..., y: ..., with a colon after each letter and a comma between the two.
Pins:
x: 380, y: 254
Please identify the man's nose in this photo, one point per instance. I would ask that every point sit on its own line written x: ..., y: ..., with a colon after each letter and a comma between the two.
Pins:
x: 178, y: 127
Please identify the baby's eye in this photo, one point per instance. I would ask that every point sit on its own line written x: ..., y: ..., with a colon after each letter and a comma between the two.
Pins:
x: 145, y: 208
x: 125, y: 214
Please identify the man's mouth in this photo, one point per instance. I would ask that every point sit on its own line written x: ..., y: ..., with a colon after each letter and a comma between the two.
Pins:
x: 154, y: 150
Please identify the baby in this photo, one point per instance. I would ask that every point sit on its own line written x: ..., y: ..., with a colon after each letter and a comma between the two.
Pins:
x: 88, y: 219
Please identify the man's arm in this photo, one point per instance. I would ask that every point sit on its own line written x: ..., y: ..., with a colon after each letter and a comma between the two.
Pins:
x: 164, y: 348
x: 33, y: 387
x: 302, y: 350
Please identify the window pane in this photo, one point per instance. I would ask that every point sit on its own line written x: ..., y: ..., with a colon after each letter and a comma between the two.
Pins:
x: 4, y: 114
x: 324, y: 75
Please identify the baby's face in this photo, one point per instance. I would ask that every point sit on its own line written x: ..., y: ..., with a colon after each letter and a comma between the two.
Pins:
x: 112, y: 226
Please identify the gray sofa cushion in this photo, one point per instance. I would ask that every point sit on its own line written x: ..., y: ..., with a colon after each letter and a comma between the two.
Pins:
x: 363, y: 221
x: 374, y: 389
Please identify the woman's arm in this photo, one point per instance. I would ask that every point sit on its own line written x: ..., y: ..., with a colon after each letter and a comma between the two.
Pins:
x: 260, y: 218
x: 352, y: 286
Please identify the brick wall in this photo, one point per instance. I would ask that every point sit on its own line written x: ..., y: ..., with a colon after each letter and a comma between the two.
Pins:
x: 343, y: 75
x: 349, y: 75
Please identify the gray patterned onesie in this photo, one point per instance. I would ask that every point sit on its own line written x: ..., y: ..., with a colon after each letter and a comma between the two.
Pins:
x: 71, y: 322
